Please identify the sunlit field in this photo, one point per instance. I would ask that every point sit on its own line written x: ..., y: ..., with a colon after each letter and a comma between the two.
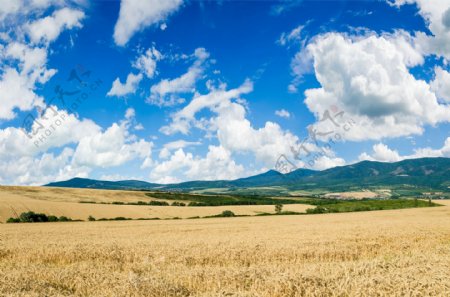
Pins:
x: 66, y: 202
x: 379, y: 253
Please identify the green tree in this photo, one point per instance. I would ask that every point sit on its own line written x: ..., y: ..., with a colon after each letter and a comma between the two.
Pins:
x: 278, y: 208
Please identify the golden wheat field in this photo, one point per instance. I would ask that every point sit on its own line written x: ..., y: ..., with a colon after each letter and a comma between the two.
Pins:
x: 380, y: 253
x: 66, y: 202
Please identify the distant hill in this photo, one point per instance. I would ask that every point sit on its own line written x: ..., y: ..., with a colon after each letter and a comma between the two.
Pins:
x: 425, y: 172
x: 107, y: 185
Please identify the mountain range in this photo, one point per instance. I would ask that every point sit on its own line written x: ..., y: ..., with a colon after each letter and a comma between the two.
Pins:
x: 425, y: 173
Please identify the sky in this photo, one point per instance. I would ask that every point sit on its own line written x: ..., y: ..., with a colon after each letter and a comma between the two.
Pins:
x: 177, y: 90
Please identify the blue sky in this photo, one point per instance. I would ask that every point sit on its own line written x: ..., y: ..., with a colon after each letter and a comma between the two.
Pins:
x: 168, y: 91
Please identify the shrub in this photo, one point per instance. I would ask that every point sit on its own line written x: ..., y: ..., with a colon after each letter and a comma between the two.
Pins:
x: 227, y: 213
x: 91, y: 218
x: 13, y: 220
x: 197, y: 204
x: 318, y: 209
x: 158, y: 203
x: 52, y: 218
x: 278, y: 208
x: 121, y: 219
x: 178, y: 204
x: 32, y: 217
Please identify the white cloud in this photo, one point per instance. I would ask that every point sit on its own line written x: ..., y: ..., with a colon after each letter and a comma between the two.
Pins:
x: 166, y: 92
x: 146, y: 62
x: 113, y: 147
x: 293, y: 36
x: 444, y: 151
x: 48, y: 29
x: 325, y: 162
x: 47, y: 168
x: 56, y: 128
x: 17, y: 84
x: 216, y: 165
x: 136, y: 15
x: 27, y: 63
x: 183, y: 119
x: 175, y: 145
x: 283, y: 113
x: 8, y: 7
x: 25, y: 160
x: 234, y: 132
x: 441, y: 84
x: 130, y: 113
x: 129, y: 87
x: 368, y: 78
x: 110, y: 148
x: 383, y: 153
x: 436, y: 13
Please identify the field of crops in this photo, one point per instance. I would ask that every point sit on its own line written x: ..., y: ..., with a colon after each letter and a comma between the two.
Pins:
x: 379, y: 253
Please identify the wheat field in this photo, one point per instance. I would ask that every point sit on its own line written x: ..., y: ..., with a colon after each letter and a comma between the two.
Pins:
x: 380, y: 253
x: 66, y: 202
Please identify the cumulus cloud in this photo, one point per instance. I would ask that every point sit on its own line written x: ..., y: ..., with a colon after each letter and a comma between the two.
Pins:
x: 23, y: 154
x: 441, y: 84
x: 166, y: 92
x: 216, y: 165
x: 436, y: 15
x: 54, y: 128
x: 136, y: 15
x: 368, y: 78
x: 382, y: 153
x: 24, y: 157
x: 25, y: 65
x: 17, y: 84
x: 48, y: 29
x: 48, y: 167
x: 231, y: 127
x: 113, y: 147
x: 183, y: 119
x: 283, y: 113
x: 110, y: 148
x: 129, y: 87
x: 325, y: 162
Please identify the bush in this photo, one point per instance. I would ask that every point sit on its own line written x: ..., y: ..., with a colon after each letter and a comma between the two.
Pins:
x: 52, y: 218
x: 318, y: 209
x: 32, y: 217
x: 120, y: 219
x: 178, y: 204
x: 13, y: 220
x: 197, y: 204
x: 91, y: 218
x: 158, y: 203
x: 227, y: 213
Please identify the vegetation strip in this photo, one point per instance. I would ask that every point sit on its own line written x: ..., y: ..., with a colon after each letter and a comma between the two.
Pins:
x: 331, y: 207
